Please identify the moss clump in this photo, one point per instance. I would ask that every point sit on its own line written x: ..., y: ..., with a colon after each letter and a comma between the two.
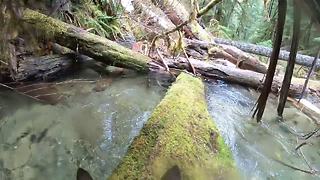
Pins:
x: 180, y: 133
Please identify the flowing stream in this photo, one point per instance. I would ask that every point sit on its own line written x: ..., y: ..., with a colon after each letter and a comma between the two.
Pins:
x: 258, y: 148
x: 92, y: 130
x: 88, y: 129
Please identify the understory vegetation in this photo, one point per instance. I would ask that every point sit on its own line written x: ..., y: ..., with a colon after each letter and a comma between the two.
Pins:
x: 100, y: 17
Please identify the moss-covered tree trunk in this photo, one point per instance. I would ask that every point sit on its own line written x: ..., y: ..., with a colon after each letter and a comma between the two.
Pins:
x: 86, y: 43
x: 179, y: 141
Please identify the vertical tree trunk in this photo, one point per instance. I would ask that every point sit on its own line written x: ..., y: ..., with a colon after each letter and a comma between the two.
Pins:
x: 282, y: 9
x: 292, y: 60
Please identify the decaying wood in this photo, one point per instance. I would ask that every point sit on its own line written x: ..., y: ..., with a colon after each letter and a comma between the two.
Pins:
x: 236, y: 56
x: 182, y: 22
x: 81, y: 41
x: 42, y: 68
x: 235, y: 75
x: 107, y: 51
x: 301, y: 59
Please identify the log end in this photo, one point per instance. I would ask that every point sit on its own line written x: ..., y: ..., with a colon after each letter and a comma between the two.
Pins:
x: 179, y: 140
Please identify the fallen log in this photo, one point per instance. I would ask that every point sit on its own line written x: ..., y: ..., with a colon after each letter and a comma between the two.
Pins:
x: 307, y: 108
x: 107, y: 51
x: 83, y: 42
x: 42, y: 68
x: 179, y: 141
x: 301, y: 59
x: 236, y: 75
x: 230, y: 53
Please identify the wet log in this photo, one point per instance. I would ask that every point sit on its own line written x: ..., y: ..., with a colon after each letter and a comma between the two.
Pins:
x: 179, y: 141
x: 42, y: 68
x: 83, y: 42
x: 235, y: 75
x: 301, y: 59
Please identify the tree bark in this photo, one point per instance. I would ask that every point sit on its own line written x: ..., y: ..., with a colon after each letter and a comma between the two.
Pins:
x: 243, y: 60
x: 235, y: 75
x: 301, y: 59
x: 42, y: 68
x: 81, y: 41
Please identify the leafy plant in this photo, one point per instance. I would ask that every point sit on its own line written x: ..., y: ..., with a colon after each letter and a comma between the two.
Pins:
x: 100, y: 18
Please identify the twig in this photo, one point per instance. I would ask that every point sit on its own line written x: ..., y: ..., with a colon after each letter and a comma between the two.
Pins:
x: 293, y: 167
x: 201, y: 12
x: 4, y: 63
x: 162, y: 60
x: 306, y: 161
x: 153, y: 42
x: 192, y: 67
x: 205, y: 9
x: 309, y: 74
x: 13, y: 89
x: 310, y: 134
x: 300, y: 145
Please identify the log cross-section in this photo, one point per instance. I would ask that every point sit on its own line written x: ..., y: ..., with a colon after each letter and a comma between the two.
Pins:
x: 86, y: 43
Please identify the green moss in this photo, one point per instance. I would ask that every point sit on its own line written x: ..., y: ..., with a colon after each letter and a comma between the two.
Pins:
x: 50, y: 25
x: 179, y: 133
x: 87, y: 43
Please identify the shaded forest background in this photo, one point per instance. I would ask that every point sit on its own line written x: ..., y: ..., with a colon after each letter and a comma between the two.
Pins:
x: 244, y: 20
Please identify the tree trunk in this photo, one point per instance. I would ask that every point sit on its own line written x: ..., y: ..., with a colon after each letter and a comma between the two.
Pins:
x: 238, y: 76
x: 179, y: 141
x: 86, y: 43
x: 303, y: 60
x: 243, y: 60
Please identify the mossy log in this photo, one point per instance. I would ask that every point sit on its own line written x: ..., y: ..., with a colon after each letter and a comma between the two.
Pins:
x: 77, y: 39
x: 179, y: 141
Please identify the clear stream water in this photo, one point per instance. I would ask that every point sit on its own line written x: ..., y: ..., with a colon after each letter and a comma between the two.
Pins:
x: 93, y: 130
x: 257, y: 147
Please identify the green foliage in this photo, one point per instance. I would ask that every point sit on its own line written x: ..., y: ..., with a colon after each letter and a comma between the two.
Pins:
x: 253, y: 21
x: 101, y: 19
x: 267, y: 43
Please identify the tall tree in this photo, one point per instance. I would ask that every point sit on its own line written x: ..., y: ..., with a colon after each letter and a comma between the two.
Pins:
x: 292, y: 59
x: 282, y: 8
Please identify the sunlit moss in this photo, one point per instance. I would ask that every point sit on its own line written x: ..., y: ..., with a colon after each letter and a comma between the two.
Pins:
x: 179, y: 133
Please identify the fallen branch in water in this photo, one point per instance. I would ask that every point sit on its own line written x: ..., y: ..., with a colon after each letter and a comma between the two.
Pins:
x: 13, y: 89
x: 309, y: 135
x: 295, y: 168
x: 162, y: 60
x: 309, y: 74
